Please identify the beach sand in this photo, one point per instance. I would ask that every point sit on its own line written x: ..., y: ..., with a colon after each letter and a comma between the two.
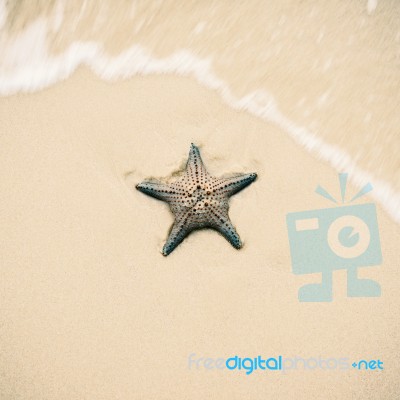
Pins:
x: 90, y: 309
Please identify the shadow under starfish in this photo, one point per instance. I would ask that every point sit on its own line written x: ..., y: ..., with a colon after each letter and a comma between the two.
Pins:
x: 198, y: 201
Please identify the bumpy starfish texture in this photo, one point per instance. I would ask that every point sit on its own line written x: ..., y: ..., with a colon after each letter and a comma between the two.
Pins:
x: 198, y: 200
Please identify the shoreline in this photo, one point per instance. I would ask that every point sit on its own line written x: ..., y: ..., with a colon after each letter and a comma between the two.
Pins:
x: 90, y: 308
x: 315, y: 116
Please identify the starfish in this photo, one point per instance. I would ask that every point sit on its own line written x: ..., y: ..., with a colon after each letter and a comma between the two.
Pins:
x: 198, y: 201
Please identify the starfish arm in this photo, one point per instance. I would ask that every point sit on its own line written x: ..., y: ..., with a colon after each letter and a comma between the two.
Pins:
x: 230, y: 186
x: 157, y: 190
x: 228, y: 231
x: 179, y: 231
x: 194, y: 166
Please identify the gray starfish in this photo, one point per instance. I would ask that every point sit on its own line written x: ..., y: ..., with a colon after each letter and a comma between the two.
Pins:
x: 198, y: 200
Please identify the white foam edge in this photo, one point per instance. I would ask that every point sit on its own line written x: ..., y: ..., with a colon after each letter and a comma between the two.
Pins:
x: 136, y: 60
